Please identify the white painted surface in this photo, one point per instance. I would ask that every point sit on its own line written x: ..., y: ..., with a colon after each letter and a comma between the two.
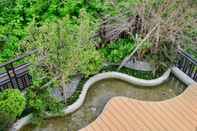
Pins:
x: 182, y: 76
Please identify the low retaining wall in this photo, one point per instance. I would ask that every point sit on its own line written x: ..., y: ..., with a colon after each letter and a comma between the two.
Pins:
x: 116, y: 75
x: 182, y: 76
x: 130, y: 79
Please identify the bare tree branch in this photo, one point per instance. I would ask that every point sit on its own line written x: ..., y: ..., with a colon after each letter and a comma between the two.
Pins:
x: 126, y: 59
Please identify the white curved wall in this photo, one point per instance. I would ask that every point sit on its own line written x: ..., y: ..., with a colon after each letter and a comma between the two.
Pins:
x: 116, y: 75
x: 130, y: 79
x: 182, y: 76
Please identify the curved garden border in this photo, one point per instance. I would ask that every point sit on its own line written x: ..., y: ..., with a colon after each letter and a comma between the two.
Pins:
x: 130, y: 79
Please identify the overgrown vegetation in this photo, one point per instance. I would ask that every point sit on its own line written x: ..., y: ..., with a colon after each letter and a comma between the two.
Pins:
x: 174, y: 22
x: 65, y: 49
x: 64, y: 32
x: 118, y: 50
x: 147, y: 75
x: 164, y: 24
x: 12, y: 104
x: 40, y: 102
x: 16, y: 15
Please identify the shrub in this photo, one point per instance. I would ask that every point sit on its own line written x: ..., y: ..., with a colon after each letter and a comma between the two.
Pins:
x: 175, y: 28
x: 40, y: 101
x: 118, y: 50
x: 90, y: 62
x: 12, y: 104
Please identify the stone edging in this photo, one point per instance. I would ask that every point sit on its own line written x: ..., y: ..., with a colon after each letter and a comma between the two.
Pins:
x: 182, y: 76
x: 79, y: 102
x: 116, y: 75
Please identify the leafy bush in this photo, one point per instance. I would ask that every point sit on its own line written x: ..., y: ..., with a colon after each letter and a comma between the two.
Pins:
x: 12, y: 104
x: 117, y: 51
x: 162, y: 59
x: 90, y: 62
x: 40, y: 101
x: 192, y: 52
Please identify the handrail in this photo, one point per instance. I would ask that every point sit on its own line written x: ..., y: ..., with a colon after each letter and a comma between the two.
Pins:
x: 187, y: 64
x: 188, y: 56
x: 19, y: 57
x: 14, y: 78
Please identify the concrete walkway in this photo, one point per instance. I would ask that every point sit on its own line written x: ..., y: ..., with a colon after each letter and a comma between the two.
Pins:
x: 125, y: 114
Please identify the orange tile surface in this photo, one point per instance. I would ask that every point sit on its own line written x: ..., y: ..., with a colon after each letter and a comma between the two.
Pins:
x: 125, y: 114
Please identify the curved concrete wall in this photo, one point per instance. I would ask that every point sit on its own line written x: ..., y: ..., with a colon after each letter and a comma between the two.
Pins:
x: 116, y: 75
x: 182, y: 76
x: 130, y: 79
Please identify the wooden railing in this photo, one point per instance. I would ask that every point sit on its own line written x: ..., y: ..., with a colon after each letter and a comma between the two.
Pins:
x: 15, y: 77
x: 187, y: 64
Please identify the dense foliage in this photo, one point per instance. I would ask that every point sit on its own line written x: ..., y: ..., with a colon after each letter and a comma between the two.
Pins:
x: 118, y: 50
x: 12, y: 104
x: 16, y: 15
x: 63, y: 32
x: 12, y: 101
x: 64, y: 49
x: 40, y: 101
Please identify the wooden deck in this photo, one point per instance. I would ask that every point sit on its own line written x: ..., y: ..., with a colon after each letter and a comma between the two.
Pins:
x: 125, y: 114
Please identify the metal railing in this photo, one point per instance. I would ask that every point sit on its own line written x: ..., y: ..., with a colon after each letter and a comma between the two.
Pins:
x: 16, y: 77
x: 187, y: 64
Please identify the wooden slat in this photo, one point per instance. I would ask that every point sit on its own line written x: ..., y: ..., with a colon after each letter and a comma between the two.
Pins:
x: 19, y: 71
x: 124, y: 114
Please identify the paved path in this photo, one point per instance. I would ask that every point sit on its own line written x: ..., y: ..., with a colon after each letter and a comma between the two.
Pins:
x: 125, y: 114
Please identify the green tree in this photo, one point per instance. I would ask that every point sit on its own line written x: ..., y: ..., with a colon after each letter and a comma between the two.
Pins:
x: 65, y: 49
